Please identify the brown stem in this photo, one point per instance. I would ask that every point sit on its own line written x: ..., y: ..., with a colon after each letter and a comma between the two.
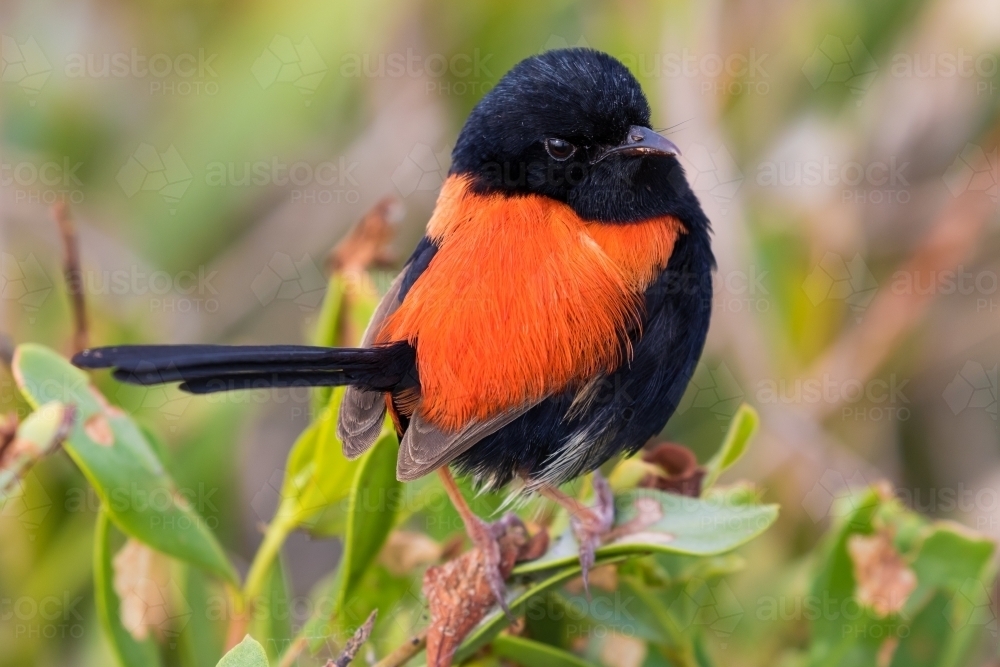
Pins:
x: 239, y: 617
x: 73, y: 274
x: 355, y: 643
x: 404, y: 653
x: 292, y: 654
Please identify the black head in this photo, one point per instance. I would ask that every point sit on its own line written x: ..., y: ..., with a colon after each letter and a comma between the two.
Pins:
x: 573, y: 125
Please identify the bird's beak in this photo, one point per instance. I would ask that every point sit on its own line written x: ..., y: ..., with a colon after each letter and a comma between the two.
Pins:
x: 642, y: 141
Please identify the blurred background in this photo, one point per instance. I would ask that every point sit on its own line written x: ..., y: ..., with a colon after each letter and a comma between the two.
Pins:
x: 213, y: 152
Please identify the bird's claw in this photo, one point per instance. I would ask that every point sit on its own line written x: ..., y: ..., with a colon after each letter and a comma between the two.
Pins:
x: 591, y: 526
x: 485, y: 537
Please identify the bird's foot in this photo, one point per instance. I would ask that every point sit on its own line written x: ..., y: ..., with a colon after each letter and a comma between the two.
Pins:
x: 486, y: 538
x: 589, y: 524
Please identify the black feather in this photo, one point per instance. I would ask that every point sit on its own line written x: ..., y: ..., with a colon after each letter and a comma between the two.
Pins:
x: 210, y: 368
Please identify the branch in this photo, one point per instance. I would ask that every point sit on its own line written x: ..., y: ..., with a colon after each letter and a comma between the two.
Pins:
x: 404, y: 653
x: 73, y: 274
x: 355, y: 643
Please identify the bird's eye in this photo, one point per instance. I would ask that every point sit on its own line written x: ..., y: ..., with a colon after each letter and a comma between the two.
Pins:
x: 559, y: 149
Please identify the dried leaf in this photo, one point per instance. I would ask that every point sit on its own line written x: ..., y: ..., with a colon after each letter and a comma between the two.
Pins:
x: 355, y: 643
x: 680, y: 472
x: 647, y: 512
x: 405, y: 551
x: 143, y: 584
x: 459, y: 596
x: 8, y: 427
x: 98, y: 428
x: 884, y: 582
x: 622, y: 651
x: 365, y: 244
x: 21, y: 445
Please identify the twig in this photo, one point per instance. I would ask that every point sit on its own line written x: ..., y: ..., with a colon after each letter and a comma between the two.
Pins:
x: 73, y: 274
x: 239, y: 617
x: 404, y: 653
x: 292, y: 654
x: 6, y: 350
x: 355, y: 643
x: 365, y: 245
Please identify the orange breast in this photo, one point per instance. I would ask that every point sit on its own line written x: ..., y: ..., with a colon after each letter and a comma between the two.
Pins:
x: 522, y: 299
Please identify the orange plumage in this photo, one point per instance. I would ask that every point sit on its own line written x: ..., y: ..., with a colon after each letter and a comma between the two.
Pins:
x: 561, y: 292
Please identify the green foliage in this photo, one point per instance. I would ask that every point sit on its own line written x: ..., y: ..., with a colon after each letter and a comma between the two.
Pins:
x: 534, y: 654
x: 248, y: 653
x: 670, y: 555
x: 678, y: 525
x: 129, y: 651
x: 744, y: 424
x: 118, y: 461
x: 934, y: 625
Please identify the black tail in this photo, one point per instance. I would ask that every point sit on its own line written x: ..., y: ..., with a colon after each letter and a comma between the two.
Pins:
x: 204, y: 369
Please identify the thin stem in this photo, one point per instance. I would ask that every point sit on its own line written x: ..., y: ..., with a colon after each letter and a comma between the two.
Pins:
x: 239, y: 619
x: 73, y: 274
x: 274, y: 538
x: 404, y: 653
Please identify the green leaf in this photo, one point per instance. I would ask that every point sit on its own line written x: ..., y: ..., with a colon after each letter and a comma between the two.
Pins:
x: 36, y: 436
x: 741, y: 429
x: 319, y: 476
x: 330, y: 329
x: 202, y: 637
x: 682, y: 525
x: 118, y: 461
x: 534, y: 654
x: 272, y: 622
x: 129, y: 651
x: 941, y: 618
x: 950, y: 556
x: 951, y: 604
x: 371, y: 514
x: 837, y: 640
x: 248, y: 653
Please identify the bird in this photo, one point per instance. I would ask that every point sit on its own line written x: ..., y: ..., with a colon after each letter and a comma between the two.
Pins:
x: 549, y: 320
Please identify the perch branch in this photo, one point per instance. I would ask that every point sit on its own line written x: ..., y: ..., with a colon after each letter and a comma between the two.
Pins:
x: 402, y: 654
x: 73, y: 274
